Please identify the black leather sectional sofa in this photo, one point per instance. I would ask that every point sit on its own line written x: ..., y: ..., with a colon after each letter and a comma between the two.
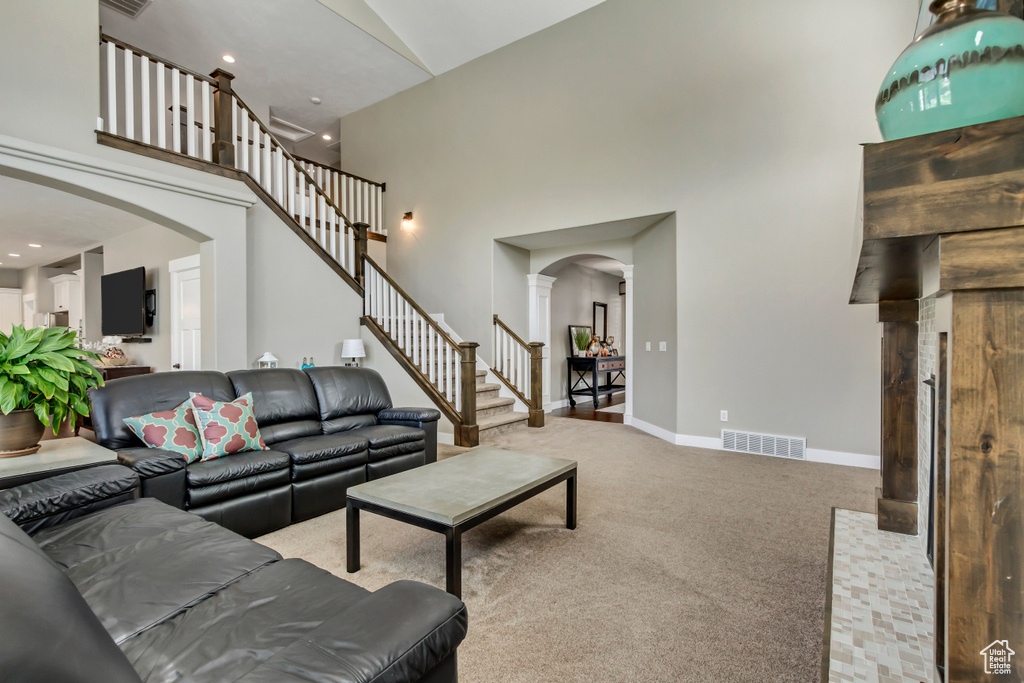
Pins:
x: 327, y: 429
x: 110, y: 588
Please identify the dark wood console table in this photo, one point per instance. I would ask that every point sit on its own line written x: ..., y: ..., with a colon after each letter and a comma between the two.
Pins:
x: 612, y: 367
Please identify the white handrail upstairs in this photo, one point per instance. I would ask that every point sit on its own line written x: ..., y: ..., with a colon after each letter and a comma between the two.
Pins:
x: 135, y: 90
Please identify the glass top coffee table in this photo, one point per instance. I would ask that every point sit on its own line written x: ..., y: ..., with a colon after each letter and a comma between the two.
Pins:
x: 454, y: 495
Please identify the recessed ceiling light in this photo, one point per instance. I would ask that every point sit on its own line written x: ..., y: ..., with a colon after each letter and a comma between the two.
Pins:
x: 14, y: 255
x: 326, y: 136
x: 229, y: 59
x: 314, y: 100
x: 36, y: 246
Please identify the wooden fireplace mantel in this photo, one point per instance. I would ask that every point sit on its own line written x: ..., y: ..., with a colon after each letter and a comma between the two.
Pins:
x: 950, y: 206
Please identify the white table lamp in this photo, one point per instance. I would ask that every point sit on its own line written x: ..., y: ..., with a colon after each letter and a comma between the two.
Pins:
x: 353, y: 348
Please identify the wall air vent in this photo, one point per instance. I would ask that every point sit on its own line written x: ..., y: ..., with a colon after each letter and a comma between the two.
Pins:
x: 130, y: 7
x: 764, y: 444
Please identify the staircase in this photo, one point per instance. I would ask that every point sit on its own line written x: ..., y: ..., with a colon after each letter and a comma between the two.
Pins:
x: 152, y: 107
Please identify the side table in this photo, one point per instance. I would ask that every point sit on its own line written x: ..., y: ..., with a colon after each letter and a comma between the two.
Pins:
x: 55, y: 456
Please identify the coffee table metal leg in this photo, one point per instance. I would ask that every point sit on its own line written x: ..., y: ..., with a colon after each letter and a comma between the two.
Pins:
x: 453, y: 561
x: 352, y: 537
x: 570, y: 502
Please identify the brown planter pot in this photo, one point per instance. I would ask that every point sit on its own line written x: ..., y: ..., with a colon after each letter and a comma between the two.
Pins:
x: 19, y: 433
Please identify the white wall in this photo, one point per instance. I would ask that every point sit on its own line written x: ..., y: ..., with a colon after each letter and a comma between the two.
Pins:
x: 151, y: 247
x: 746, y: 124
x: 10, y: 278
x: 298, y: 306
x: 572, y: 303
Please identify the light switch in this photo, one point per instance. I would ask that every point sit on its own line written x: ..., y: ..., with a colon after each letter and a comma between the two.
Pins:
x: 647, y: 346
x: 663, y: 346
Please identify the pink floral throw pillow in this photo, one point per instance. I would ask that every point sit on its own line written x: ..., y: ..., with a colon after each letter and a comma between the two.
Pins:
x: 171, y: 430
x: 226, y: 428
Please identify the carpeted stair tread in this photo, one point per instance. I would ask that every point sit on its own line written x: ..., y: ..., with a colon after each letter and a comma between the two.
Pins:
x: 494, y: 421
x: 482, y: 388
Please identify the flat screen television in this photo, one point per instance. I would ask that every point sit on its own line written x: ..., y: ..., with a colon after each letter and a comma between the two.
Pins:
x: 123, y: 301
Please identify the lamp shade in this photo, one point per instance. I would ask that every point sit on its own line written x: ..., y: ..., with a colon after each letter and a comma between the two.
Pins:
x: 352, y: 348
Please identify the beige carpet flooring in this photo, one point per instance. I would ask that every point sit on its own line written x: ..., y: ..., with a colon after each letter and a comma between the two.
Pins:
x: 688, y: 564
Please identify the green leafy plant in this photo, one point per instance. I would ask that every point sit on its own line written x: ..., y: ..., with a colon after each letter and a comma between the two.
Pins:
x: 41, y: 370
x: 582, y: 338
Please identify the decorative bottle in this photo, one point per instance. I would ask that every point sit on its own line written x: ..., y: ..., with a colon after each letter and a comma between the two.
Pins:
x: 964, y: 69
x: 305, y: 363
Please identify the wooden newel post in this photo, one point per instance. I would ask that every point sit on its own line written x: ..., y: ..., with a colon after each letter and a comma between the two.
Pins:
x: 223, y: 144
x: 536, y: 384
x: 360, y: 247
x: 470, y: 431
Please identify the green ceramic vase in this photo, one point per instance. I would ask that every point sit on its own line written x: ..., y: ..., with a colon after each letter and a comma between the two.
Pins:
x: 966, y: 68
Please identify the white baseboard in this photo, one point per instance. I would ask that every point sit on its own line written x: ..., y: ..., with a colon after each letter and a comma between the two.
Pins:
x: 714, y: 443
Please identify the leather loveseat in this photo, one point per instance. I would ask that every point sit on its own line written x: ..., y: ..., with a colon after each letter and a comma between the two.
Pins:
x: 327, y: 429
x: 113, y: 589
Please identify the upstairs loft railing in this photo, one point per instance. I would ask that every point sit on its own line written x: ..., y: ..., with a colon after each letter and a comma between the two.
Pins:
x: 446, y: 368
x: 150, y: 100
x: 360, y: 199
x: 518, y: 364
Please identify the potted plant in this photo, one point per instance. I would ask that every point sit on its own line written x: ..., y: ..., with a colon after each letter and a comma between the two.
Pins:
x: 581, y: 336
x: 43, y: 382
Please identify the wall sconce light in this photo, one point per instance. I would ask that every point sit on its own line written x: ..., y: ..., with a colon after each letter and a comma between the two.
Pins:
x: 407, y: 221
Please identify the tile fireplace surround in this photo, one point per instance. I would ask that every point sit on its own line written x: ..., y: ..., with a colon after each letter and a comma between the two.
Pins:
x: 881, y: 604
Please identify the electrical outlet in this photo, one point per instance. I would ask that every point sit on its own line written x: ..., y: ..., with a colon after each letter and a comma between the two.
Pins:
x: 662, y: 346
x: 725, y: 416
x: 647, y: 346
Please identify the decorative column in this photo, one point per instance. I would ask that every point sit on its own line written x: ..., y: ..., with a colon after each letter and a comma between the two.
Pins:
x: 627, y: 275
x: 897, y: 499
x: 540, y: 327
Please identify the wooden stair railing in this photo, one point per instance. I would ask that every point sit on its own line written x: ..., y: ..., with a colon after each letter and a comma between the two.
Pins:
x: 444, y: 368
x: 360, y: 199
x: 209, y: 127
x: 518, y: 365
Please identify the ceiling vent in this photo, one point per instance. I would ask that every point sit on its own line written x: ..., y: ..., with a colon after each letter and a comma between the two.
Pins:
x: 130, y: 7
x: 289, y: 131
x: 764, y: 444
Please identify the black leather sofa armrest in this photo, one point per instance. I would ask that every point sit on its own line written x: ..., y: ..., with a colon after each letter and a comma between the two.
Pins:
x: 52, y: 501
x: 389, y: 415
x: 421, y: 418
x: 150, y: 462
x: 162, y: 473
x: 402, y: 632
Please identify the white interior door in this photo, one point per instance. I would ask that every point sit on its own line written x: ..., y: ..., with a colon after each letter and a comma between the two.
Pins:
x: 186, y: 332
x: 10, y: 309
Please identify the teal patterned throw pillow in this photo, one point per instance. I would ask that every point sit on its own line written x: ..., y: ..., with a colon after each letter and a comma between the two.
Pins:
x: 226, y: 427
x: 171, y: 430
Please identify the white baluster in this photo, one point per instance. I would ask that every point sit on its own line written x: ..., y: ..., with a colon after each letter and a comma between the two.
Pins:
x: 301, y: 199
x: 267, y: 175
x: 161, y: 107
x: 358, y: 208
x: 235, y: 113
x: 332, y: 234
x: 279, y: 188
x: 448, y: 370
x: 324, y: 225
x: 243, y: 145
x: 129, y: 95
x: 257, y: 152
x: 190, y: 114
x: 457, y: 379
x: 380, y: 210
x: 207, y: 138
x: 111, y: 88
x: 144, y: 96
x: 176, y: 111
x: 311, y: 188
x: 344, y: 198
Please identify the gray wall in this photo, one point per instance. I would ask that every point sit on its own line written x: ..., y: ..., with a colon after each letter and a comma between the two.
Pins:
x: 298, y: 306
x: 655, y: 315
x: 151, y: 247
x: 747, y: 124
x: 10, y: 278
x: 572, y: 303
x: 511, y: 303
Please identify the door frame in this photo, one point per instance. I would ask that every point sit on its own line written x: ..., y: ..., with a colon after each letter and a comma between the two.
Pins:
x: 176, y: 268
